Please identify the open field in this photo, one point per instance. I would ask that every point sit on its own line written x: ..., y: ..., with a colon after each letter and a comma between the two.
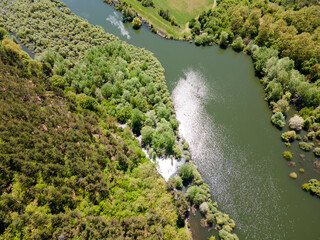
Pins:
x: 182, y: 10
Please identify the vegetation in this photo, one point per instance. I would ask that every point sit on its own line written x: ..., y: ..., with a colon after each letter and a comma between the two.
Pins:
x: 287, y: 155
x: 67, y: 170
x: 306, y: 146
x: 316, y: 151
x: 293, y: 175
x: 296, y: 122
x: 136, y: 23
x: 313, y: 186
x: 98, y: 182
x: 278, y: 119
x: 167, y: 18
x: 198, y: 195
x: 282, y: 38
x: 128, y: 83
x: 288, y: 136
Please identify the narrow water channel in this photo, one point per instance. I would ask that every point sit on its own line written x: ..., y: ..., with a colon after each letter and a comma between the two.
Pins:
x: 219, y: 103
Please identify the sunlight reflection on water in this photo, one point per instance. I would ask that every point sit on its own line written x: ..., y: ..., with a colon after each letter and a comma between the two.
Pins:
x: 224, y: 167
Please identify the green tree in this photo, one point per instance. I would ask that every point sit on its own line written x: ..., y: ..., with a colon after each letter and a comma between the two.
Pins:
x: 186, y: 172
x: 136, y: 23
x: 224, y: 39
x: 238, y: 45
x: 136, y: 121
x: 278, y: 119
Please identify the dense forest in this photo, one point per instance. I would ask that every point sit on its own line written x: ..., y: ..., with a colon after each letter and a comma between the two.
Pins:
x: 118, y: 75
x: 71, y: 164
x: 69, y: 172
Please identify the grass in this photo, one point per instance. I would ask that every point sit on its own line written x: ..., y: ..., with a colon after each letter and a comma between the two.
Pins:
x: 182, y: 10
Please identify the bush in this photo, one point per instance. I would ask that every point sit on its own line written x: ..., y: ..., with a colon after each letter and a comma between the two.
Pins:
x: 296, y: 122
x: 288, y: 136
x: 58, y: 81
x: 196, y: 195
x: 287, y: 155
x: 147, y: 134
x: 316, y: 151
x: 224, y: 39
x: 313, y: 186
x: 306, y: 146
x: 136, y: 121
x: 204, y: 208
x: 237, y: 44
x: 87, y: 102
x: 318, y: 134
x: 210, y: 218
x: 278, y: 119
x: 136, y: 23
x: 3, y: 33
x: 186, y: 172
x: 178, y: 182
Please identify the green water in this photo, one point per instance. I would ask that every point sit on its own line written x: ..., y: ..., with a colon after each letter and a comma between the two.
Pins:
x: 219, y: 103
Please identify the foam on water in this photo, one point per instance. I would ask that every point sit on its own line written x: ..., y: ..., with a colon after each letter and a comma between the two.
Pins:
x: 115, y: 20
x: 167, y: 167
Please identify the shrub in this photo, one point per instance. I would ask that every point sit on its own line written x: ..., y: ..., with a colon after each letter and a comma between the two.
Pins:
x: 296, y: 122
x: 293, y: 175
x: 136, y: 23
x: 287, y: 155
x: 196, y: 195
x: 224, y: 39
x: 311, y: 135
x: 306, y: 146
x: 316, y: 151
x: 318, y: 134
x: 58, y: 81
x: 87, y: 102
x: 313, y: 186
x: 136, y: 121
x: 186, y: 172
x: 3, y: 33
x: 288, y: 136
x: 178, y: 182
x: 204, y: 208
x: 210, y: 218
x: 147, y: 133
x: 278, y: 119
x: 238, y: 45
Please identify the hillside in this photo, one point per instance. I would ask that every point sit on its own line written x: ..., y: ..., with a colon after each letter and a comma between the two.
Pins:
x: 65, y: 172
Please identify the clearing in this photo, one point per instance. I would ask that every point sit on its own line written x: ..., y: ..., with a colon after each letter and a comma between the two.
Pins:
x: 182, y: 10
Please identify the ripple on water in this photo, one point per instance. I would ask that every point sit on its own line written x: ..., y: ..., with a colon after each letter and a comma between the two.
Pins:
x: 225, y: 166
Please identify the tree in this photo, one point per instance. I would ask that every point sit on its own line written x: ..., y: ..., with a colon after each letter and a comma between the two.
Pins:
x: 196, y: 195
x: 238, y: 45
x: 278, y: 119
x: 147, y: 134
x: 224, y: 39
x: 287, y: 155
x: 136, y: 23
x: 296, y: 122
x: 186, y: 172
x: 136, y: 121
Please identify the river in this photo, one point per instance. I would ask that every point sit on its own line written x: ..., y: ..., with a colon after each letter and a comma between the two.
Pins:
x: 219, y: 103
